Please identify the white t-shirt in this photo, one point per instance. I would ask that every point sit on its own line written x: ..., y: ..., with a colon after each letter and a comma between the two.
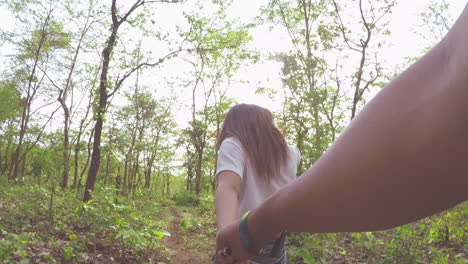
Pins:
x: 231, y: 157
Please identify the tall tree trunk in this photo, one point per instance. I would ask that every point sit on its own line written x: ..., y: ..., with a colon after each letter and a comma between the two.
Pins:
x: 108, y: 154
x: 103, y: 93
x: 76, y: 159
x: 16, y: 156
x: 147, y: 177
x: 78, y: 143
x: 96, y: 156
x: 66, y: 110
x: 168, y: 188
x: 66, y: 149
x: 4, y: 160
x: 198, y: 172
x: 125, y: 173
x: 88, y: 158
x: 118, y: 179
x: 149, y: 167
x: 23, y: 167
x: 1, y: 156
x: 107, y: 167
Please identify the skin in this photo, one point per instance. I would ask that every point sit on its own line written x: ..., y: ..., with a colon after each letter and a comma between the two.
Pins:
x: 402, y: 158
x: 227, y: 200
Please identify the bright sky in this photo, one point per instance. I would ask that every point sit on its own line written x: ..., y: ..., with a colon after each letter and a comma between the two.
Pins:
x: 403, y: 41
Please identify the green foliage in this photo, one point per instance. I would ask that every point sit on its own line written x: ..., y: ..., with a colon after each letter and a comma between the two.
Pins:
x: 420, y: 242
x: 190, y: 224
x: 451, y: 226
x: 13, y: 245
x: 10, y: 98
x: 207, y: 203
x: 137, y: 224
x: 185, y: 198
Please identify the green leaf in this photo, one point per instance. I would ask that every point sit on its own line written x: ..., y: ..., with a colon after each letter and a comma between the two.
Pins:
x: 161, y: 234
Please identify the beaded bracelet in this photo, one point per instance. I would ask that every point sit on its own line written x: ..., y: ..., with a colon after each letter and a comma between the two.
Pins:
x: 245, y: 239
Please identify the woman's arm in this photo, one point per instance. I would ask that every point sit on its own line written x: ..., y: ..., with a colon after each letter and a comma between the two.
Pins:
x: 404, y: 157
x: 227, y: 198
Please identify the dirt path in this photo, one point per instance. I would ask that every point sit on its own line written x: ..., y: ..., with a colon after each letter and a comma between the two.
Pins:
x: 179, y: 253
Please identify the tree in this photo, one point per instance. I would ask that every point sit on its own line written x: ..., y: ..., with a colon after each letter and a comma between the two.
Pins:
x: 434, y: 22
x: 373, y: 22
x: 66, y: 86
x: 104, y: 90
x: 9, y: 114
x: 306, y: 91
x: 33, y: 56
x: 161, y: 128
x: 217, y: 49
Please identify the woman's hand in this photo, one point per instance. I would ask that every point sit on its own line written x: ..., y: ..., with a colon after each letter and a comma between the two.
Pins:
x: 229, y: 249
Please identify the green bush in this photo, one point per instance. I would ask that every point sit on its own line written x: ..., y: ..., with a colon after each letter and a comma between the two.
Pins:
x: 185, y: 198
x: 12, y: 245
x: 207, y: 203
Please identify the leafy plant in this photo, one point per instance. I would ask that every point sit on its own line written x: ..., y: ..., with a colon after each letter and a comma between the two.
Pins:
x: 13, y: 245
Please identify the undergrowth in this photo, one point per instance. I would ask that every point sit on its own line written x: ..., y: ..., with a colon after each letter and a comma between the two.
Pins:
x: 440, y: 239
x: 38, y: 223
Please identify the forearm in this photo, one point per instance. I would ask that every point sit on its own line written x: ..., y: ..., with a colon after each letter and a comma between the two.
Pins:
x: 227, y: 205
x: 401, y: 159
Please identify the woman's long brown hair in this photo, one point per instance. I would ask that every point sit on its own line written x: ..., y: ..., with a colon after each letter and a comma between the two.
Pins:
x: 262, y: 141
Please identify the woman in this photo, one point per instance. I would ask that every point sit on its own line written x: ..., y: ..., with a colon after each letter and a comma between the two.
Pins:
x: 404, y: 157
x: 254, y: 161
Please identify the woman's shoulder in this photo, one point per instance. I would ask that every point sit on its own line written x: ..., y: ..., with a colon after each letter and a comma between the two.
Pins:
x: 231, y: 142
x: 294, y: 149
x: 296, y: 153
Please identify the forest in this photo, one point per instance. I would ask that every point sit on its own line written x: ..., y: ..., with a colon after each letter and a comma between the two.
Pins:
x: 110, y: 110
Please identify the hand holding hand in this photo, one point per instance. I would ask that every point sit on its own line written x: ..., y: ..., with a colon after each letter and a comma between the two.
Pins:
x: 229, y: 249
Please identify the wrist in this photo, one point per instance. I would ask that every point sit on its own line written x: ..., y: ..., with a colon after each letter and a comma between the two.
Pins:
x: 261, y: 228
x: 245, y: 235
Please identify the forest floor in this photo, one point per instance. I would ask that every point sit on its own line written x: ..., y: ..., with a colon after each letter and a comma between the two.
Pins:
x: 180, y: 245
x: 38, y: 225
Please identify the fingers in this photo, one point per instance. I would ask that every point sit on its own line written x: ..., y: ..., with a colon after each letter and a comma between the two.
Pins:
x: 222, y: 256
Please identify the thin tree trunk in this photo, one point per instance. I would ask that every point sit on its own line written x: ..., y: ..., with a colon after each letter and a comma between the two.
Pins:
x: 168, y: 188
x: 31, y: 92
x: 107, y: 167
x: 4, y: 157
x: 198, y: 172
x: 66, y: 110
x: 23, y: 168
x: 147, y: 177
x: 108, y: 154
x: 88, y: 158
x: 78, y: 142
x: 66, y: 149
x: 118, y: 179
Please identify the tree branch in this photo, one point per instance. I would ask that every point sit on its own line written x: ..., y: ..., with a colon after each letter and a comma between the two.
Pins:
x: 120, y: 81
x: 342, y: 29
x: 40, y: 134
x: 137, y: 4
x: 115, y: 20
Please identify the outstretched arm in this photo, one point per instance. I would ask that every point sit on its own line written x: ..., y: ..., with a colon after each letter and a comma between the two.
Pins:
x: 227, y: 198
x: 404, y: 157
